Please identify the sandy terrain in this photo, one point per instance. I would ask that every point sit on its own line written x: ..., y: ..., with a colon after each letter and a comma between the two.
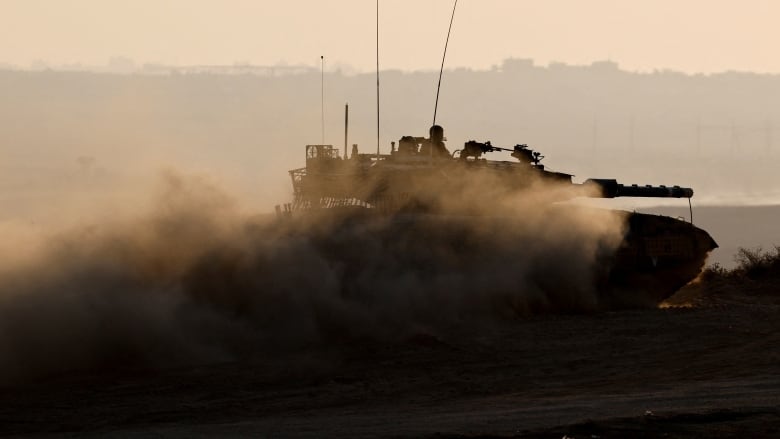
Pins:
x: 708, y: 371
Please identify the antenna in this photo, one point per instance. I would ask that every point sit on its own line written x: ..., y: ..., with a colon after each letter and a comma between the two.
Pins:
x: 441, y: 71
x: 377, y: 79
x: 346, y: 128
x: 322, y: 98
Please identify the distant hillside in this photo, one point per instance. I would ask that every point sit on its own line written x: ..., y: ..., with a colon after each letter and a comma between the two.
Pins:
x: 718, y: 133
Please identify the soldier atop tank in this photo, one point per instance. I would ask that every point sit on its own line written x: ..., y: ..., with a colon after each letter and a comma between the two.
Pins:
x: 436, y: 142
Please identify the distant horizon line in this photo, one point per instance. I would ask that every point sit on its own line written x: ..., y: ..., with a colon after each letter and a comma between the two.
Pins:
x: 127, y: 66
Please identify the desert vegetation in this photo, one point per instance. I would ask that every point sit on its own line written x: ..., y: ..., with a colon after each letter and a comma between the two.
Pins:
x: 753, y: 264
x: 754, y: 280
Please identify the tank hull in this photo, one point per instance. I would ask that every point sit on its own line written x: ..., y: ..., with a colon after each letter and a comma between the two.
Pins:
x: 658, y: 256
x: 543, y: 263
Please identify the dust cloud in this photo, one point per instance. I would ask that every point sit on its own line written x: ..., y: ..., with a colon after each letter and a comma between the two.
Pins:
x: 197, y: 278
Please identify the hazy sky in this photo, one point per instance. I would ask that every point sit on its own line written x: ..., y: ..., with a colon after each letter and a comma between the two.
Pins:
x: 687, y: 35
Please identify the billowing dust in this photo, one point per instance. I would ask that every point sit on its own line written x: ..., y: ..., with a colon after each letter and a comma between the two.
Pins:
x: 196, y: 279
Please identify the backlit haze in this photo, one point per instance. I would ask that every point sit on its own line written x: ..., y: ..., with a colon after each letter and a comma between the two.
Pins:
x: 98, y: 96
x: 689, y: 36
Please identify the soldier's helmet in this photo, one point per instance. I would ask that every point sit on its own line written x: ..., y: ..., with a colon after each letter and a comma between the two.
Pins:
x: 437, y: 133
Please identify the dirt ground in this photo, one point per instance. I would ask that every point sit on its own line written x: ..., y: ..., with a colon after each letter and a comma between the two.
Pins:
x: 711, y: 370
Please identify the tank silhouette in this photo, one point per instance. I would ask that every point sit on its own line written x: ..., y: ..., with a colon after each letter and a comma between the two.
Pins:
x: 421, y: 179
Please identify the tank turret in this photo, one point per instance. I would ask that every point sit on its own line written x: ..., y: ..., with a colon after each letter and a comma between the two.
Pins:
x: 421, y: 166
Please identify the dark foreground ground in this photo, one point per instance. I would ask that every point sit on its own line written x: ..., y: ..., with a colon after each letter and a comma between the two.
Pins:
x: 711, y: 371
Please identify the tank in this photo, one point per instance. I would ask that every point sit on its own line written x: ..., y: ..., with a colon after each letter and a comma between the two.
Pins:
x: 423, y: 192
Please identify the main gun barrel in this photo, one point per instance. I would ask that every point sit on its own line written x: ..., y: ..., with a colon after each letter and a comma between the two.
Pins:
x: 608, y: 188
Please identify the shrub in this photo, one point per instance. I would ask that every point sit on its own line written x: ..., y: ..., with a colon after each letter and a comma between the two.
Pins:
x: 752, y: 263
x: 714, y: 271
x: 756, y: 263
